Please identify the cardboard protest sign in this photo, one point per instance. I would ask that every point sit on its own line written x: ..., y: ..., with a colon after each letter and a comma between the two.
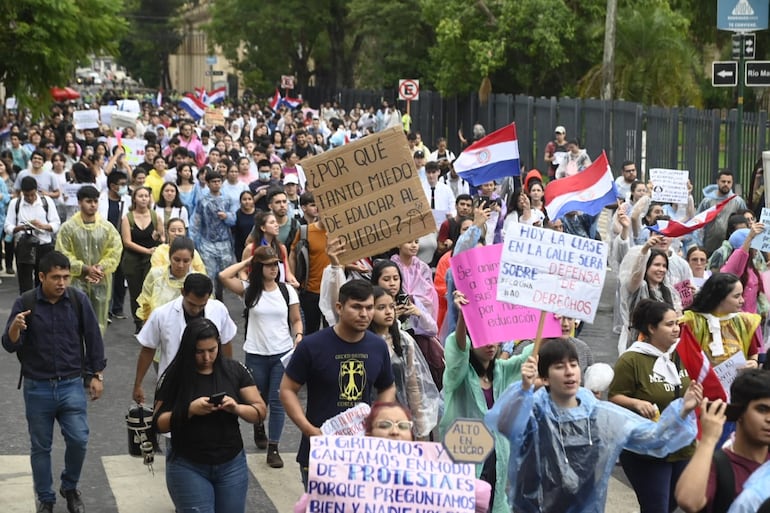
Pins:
x: 381, y: 475
x: 727, y: 371
x: 685, y: 290
x: 369, y: 194
x: 134, y: 149
x: 669, y: 185
x: 85, y: 119
x: 214, y: 117
x: 552, y: 271
x: 762, y: 241
x: 489, y: 320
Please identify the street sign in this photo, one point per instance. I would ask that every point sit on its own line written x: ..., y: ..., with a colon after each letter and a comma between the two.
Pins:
x: 408, y: 90
x: 287, y: 82
x: 468, y: 441
x: 211, y: 60
x: 749, y: 46
x: 724, y: 73
x: 742, y: 15
x: 215, y: 73
x: 758, y: 74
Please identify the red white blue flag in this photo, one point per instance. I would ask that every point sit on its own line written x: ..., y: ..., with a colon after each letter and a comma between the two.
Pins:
x: 216, y: 96
x: 676, y: 229
x: 493, y: 157
x: 194, y: 106
x: 698, y: 365
x: 588, y: 191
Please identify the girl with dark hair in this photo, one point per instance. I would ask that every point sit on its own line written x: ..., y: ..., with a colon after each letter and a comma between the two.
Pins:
x: 716, y: 321
x: 272, y: 315
x: 265, y: 233
x: 473, y: 380
x: 170, y: 205
x: 200, y: 399
x: 646, y: 278
x: 188, y: 192
x: 244, y: 221
x: 520, y: 210
x: 164, y: 284
x: 414, y: 385
x: 748, y: 264
x: 649, y: 377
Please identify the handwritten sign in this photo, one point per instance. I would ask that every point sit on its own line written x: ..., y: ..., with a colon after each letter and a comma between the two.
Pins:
x: 490, y: 321
x: 369, y: 194
x: 85, y: 119
x: 762, y: 241
x: 134, y: 149
x: 728, y: 370
x: 552, y: 271
x: 669, y: 185
x: 685, y: 289
x: 69, y: 193
x: 380, y: 475
x: 214, y: 117
x: 349, y: 423
x: 469, y: 441
x: 105, y: 113
x: 122, y: 119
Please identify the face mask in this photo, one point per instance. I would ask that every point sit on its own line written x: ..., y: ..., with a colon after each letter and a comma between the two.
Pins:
x: 123, y: 190
x: 264, y: 177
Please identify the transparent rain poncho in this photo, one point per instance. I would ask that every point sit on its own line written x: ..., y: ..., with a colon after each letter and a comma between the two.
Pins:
x: 561, y: 458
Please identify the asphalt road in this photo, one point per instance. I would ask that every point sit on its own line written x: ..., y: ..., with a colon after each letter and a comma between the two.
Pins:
x: 114, y: 482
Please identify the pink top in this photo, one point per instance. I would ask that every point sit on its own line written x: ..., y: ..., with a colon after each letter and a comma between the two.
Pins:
x: 738, y: 264
x: 418, y: 282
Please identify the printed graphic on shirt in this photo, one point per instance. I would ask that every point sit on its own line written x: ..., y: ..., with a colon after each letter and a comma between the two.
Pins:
x: 352, y: 379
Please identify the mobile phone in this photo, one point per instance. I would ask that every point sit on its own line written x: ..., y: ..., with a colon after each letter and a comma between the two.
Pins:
x: 402, y: 299
x: 216, y: 399
x: 732, y: 411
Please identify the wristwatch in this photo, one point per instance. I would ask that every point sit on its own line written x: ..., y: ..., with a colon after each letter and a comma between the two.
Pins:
x: 99, y: 376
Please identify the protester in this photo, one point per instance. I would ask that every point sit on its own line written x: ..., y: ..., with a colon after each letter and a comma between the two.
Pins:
x: 417, y: 277
x: 164, y: 284
x: 160, y: 257
x: 201, y: 397
x: 697, y: 258
x: 565, y: 442
x: 244, y: 222
x: 713, y: 195
x: 170, y: 205
x: 748, y: 264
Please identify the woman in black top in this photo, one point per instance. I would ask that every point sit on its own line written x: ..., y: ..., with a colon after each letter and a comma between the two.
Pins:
x: 200, y: 399
x: 244, y: 222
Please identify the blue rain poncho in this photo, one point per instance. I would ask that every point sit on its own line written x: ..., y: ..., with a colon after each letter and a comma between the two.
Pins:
x: 561, y: 458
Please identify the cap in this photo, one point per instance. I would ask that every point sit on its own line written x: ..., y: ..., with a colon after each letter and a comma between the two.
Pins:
x: 419, y: 154
x: 265, y: 255
x: 560, y: 130
x: 290, y: 179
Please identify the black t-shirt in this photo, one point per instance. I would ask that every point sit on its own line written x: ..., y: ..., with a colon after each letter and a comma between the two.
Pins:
x: 215, y: 438
x: 338, y: 375
x: 113, y: 212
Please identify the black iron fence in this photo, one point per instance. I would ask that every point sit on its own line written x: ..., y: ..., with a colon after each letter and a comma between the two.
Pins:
x: 700, y: 141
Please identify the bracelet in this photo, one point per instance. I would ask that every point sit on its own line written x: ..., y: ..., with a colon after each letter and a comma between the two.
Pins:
x: 299, y: 333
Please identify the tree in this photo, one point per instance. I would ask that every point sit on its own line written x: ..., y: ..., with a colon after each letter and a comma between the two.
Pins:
x: 43, y: 41
x: 655, y: 63
x: 153, y: 37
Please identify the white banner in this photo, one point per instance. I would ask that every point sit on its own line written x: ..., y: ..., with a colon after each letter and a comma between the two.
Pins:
x: 134, y: 149
x: 552, y: 271
x: 669, y: 185
x: 86, y: 119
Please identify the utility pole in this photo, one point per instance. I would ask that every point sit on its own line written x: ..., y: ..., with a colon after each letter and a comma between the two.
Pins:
x: 608, y: 60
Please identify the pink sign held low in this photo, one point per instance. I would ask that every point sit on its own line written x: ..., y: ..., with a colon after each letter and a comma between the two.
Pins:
x: 490, y: 321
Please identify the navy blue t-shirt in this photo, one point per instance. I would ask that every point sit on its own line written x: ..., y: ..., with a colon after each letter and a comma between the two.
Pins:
x: 338, y: 375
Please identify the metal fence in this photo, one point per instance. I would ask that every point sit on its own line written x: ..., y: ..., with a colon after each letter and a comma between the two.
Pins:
x: 700, y: 141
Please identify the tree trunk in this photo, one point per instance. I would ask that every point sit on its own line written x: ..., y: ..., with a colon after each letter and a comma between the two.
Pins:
x: 608, y: 60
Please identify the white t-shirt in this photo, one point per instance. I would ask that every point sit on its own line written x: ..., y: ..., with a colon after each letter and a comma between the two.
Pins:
x: 268, y: 331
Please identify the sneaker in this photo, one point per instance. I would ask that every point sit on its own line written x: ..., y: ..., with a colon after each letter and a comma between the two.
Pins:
x: 74, y: 504
x: 260, y: 437
x: 120, y: 315
x: 44, y: 507
x: 273, y: 458
x: 9, y: 271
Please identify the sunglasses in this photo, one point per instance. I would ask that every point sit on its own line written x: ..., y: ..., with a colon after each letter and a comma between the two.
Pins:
x: 403, y: 425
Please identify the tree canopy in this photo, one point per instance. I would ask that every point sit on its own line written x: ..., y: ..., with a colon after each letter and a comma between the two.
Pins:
x: 43, y: 41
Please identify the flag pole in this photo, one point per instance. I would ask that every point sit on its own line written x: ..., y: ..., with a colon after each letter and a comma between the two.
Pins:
x: 539, y: 335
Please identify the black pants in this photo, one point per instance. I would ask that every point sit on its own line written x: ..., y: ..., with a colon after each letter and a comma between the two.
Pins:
x: 308, y: 301
x: 8, y: 254
x: 28, y: 272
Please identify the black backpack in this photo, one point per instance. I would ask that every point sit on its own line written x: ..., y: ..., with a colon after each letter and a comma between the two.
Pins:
x: 301, y: 255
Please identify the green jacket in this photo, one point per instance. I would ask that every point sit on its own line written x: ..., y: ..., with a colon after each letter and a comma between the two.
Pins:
x: 463, y: 398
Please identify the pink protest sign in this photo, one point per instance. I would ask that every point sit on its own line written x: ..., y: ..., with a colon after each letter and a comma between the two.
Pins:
x: 490, y: 321
x: 685, y: 289
x: 361, y: 474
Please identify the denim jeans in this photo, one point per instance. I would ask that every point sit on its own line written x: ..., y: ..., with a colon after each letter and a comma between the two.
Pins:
x: 267, y: 372
x: 65, y: 401
x: 200, y: 488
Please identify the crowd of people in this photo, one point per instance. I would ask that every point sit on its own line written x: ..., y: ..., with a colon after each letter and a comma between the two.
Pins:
x: 228, y: 208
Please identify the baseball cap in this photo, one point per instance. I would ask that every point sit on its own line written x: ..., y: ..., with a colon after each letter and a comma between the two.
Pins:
x: 419, y: 154
x: 560, y: 130
x: 290, y: 179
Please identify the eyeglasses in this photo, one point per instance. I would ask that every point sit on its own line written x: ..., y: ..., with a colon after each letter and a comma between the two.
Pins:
x: 403, y: 425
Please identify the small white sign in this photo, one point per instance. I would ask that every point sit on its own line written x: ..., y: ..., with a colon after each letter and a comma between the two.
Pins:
x: 86, y: 119
x: 669, y: 185
x: 408, y: 89
x: 728, y: 370
x: 762, y: 241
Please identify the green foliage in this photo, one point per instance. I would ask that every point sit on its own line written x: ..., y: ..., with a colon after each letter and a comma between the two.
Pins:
x: 153, y: 36
x: 43, y: 41
x: 655, y: 63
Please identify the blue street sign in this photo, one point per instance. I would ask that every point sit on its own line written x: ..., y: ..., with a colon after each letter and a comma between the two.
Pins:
x: 742, y: 15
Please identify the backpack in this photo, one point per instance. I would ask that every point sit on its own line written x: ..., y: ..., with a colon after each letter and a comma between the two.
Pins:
x: 724, y: 495
x: 301, y: 254
x: 285, y: 294
x: 28, y: 301
x: 292, y: 231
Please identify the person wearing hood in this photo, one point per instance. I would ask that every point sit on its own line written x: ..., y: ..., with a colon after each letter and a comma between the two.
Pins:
x: 565, y: 442
x: 713, y: 195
